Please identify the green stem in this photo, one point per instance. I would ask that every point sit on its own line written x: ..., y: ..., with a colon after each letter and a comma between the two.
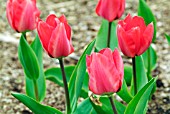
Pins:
x: 149, y: 63
x: 36, y: 90
x: 134, y: 75
x: 113, y: 106
x: 65, y: 86
x: 109, y: 34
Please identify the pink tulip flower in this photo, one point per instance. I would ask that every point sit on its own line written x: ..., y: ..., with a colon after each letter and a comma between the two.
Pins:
x: 110, y: 9
x: 134, y: 36
x: 22, y: 15
x: 55, y: 36
x: 105, y: 71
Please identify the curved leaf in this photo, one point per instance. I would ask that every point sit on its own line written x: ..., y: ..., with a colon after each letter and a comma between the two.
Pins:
x: 106, y: 107
x: 138, y: 104
x: 28, y: 59
x: 141, y: 76
x: 128, y: 74
x: 54, y: 74
x: 101, y: 39
x: 41, y: 85
x: 153, y: 58
x: 168, y: 38
x: 85, y: 107
x: 124, y: 93
x: 77, y: 77
x: 36, y: 107
x: 146, y: 13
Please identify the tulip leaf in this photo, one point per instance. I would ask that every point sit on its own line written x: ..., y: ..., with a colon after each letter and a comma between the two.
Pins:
x: 101, y: 39
x: 54, y: 74
x: 168, y: 38
x: 141, y: 76
x: 124, y: 93
x: 146, y: 13
x: 85, y: 107
x: 36, y: 107
x: 106, y: 108
x: 153, y: 58
x: 28, y: 59
x: 41, y: 85
x: 77, y: 77
x: 138, y: 103
x: 128, y: 74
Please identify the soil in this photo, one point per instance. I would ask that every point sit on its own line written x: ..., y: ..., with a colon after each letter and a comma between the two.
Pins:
x: 85, y: 24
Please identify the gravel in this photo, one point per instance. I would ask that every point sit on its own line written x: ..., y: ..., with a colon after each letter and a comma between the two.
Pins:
x: 85, y: 24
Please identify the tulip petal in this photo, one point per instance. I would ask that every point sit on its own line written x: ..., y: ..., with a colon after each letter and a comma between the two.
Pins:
x: 126, y: 42
x: 63, y: 19
x: 103, y: 75
x: 121, y: 9
x: 44, y: 32
x: 10, y: 13
x: 118, y: 60
x: 108, y: 9
x: 59, y: 45
x: 136, y: 22
x: 51, y: 20
x: 124, y: 22
x: 23, y: 10
x: 146, y: 39
x: 135, y: 34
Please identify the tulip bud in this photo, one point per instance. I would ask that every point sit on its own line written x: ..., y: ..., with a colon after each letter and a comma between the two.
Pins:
x: 134, y: 36
x: 105, y: 71
x: 110, y: 9
x: 55, y: 36
x: 22, y: 15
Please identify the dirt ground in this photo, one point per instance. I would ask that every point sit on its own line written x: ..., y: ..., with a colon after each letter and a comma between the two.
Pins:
x: 85, y: 24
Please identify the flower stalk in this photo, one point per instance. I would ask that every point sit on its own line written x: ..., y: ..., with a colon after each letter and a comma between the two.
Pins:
x: 65, y: 86
x: 134, y: 75
x: 109, y: 34
x: 113, y: 105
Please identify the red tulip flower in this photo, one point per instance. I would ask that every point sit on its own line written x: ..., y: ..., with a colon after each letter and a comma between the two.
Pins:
x: 55, y: 36
x: 134, y: 36
x: 22, y: 15
x: 110, y: 9
x: 105, y: 71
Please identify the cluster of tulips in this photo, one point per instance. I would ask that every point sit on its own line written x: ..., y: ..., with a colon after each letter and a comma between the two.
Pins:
x: 105, y: 75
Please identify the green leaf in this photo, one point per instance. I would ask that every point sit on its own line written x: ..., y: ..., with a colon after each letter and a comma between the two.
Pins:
x: 85, y: 107
x: 36, y: 107
x: 146, y: 13
x: 153, y: 58
x: 55, y: 75
x: 141, y: 76
x: 124, y: 93
x: 138, y: 104
x: 106, y: 107
x: 128, y: 74
x: 28, y: 59
x: 77, y: 77
x: 38, y: 50
x: 101, y: 39
x: 168, y: 38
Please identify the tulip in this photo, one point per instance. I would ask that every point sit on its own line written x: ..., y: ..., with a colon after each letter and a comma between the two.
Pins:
x: 110, y: 9
x: 55, y: 36
x: 134, y: 36
x: 22, y: 15
x: 105, y: 71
